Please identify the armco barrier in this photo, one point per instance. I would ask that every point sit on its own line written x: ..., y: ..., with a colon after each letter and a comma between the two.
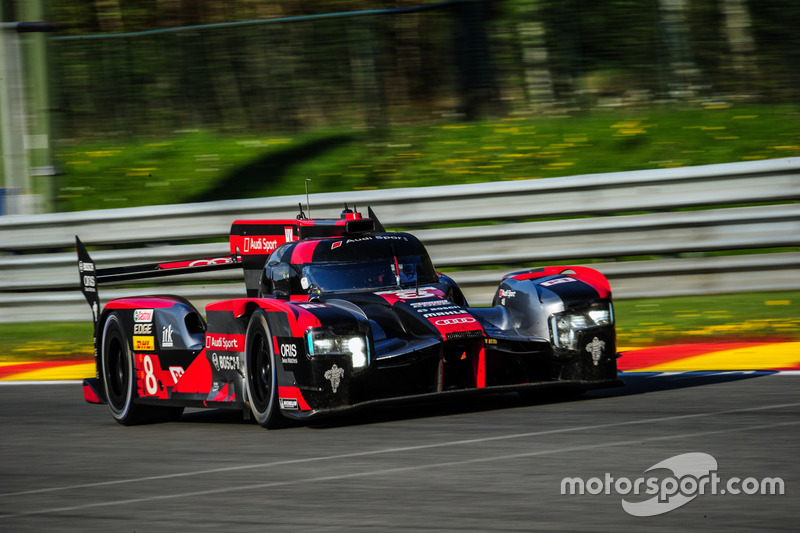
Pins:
x: 667, y: 250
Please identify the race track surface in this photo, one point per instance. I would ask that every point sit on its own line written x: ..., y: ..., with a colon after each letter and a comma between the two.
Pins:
x: 489, y: 464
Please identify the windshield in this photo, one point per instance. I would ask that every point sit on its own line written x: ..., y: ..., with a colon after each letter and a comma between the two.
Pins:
x: 368, y: 275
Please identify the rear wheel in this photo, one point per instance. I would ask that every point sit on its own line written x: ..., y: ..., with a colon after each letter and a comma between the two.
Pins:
x: 261, y: 378
x: 119, y: 379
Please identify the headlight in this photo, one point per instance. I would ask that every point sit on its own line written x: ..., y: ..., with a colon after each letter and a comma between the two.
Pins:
x: 565, y: 326
x: 325, y: 342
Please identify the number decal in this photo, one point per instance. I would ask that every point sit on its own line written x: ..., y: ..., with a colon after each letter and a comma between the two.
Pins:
x: 150, y: 381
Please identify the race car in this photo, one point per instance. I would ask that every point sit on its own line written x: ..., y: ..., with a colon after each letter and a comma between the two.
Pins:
x: 340, y: 314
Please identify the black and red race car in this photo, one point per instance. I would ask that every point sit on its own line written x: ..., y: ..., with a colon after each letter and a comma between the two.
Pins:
x: 340, y: 314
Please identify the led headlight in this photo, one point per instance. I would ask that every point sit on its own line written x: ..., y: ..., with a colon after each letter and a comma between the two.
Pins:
x: 564, y: 327
x: 325, y: 342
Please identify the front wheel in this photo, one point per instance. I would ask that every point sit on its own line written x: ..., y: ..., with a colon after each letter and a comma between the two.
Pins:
x: 261, y: 373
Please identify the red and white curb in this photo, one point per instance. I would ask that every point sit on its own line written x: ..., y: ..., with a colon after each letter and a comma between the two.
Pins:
x: 718, y: 357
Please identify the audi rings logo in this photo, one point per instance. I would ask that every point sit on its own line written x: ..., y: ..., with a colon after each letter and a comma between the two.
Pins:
x: 207, y: 262
x: 454, y: 321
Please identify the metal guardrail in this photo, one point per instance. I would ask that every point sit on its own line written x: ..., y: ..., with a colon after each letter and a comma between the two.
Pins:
x: 38, y: 276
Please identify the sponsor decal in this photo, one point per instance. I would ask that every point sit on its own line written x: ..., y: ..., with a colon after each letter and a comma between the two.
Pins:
x: 360, y: 239
x: 506, y: 293
x: 454, y: 321
x: 143, y: 329
x: 288, y: 351
x: 259, y: 244
x: 89, y: 283
x: 336, y: 245
x: 335, y: 375
x: 434, y: 303
x: 176, y: 372
x: 312, y: 306
x: 228, y: 343
x: 445, y: 311
x: 225, y: 362
x: 85, y: 266
x: 596, y: 348
x: 289, y: 404
x: 143, y: 315
x: 166, y: 336
x: 288, y: 233
x: 143, y: 343
x: 551, y: 282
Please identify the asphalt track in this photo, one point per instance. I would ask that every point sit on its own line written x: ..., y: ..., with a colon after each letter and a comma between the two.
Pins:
x: 490, y: 464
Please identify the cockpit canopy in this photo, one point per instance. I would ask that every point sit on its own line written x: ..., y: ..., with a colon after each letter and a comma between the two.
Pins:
x: 347, y: 264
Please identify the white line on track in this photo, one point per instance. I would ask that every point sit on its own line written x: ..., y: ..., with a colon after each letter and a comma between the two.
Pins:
x: 384, y: 471
x: 398, y: 450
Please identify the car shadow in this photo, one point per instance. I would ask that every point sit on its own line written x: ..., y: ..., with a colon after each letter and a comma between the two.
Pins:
x: 645, y: 382
x: 634, y: 384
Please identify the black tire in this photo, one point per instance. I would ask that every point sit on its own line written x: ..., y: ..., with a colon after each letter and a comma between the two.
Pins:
x: 119, y: 378
x: 261, y: 373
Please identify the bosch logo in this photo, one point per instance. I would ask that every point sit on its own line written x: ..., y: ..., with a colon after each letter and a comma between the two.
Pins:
x: 454, y: 321
x: 259, y: 244
x: 225, y: 362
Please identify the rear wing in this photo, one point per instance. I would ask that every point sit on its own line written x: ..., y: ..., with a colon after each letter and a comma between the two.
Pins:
x: 251, y: 243
x: 91, y: 276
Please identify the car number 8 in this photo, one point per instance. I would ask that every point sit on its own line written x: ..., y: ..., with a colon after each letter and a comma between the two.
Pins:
x: 150, y: 381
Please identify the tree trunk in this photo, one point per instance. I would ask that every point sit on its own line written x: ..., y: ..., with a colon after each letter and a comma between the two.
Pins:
x: 741, y: 61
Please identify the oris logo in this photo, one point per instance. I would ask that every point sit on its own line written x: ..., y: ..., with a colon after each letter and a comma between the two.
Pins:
x: 225, y: 362
x: 288, y: 350
x: 288, y: 354
x: 454, y: 321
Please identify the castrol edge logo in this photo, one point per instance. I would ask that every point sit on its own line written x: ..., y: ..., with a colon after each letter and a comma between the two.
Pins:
x: 225, y: 343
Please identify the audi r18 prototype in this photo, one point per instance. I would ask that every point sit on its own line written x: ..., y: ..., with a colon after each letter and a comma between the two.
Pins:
x: 340, y: 314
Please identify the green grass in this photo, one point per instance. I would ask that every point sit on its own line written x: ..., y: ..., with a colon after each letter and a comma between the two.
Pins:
x: 201, y: 166
x: 647, y: 322
x: 691, y: 319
